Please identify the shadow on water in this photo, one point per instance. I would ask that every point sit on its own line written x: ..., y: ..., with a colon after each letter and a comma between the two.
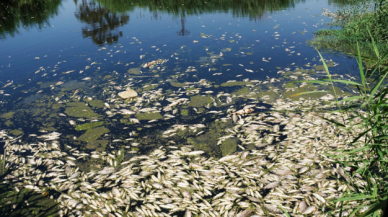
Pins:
x: 25, y: 14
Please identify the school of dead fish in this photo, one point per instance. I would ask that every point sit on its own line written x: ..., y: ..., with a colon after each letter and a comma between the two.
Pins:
x: 293, y: 172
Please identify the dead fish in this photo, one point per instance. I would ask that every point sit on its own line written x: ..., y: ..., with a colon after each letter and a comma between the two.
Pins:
x: 188, y: 213
x: 271, y: 185
x: 147, y: 65
x: 309, y: 210
x: 8, y: 84
x: 244, y: 213
x: 302, y: 206
x: 75, y: 92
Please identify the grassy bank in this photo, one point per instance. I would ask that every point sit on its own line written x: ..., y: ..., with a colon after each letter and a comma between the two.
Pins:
x: 366, y: 155
x: 358, y: 23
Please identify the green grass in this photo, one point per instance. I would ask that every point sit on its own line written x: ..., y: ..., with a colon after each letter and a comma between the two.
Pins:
x: 367, y: 154
x: 358, y: 23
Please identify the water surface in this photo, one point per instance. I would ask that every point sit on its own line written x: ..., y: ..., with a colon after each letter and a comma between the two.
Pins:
x: 63, y: 63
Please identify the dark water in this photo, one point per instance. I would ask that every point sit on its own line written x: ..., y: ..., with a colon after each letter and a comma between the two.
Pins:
x: 44, y: 42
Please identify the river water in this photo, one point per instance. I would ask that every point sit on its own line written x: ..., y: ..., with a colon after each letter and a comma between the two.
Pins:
x: 63, y: 64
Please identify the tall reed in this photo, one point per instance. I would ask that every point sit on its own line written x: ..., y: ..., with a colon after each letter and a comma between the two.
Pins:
x: 367, y: 154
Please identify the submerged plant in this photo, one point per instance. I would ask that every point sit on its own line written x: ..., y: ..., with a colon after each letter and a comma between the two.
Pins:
x: 365, y: 117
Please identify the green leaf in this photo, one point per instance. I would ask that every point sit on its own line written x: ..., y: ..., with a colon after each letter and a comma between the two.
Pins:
x: 360, y: 197
x: 376, y: 87
x: 333, y: 121
x: 312, y: 81
x: 342, y: 81
x: 361, y: 67
x: 352, y: 98
x: 304, y: 93
x: 374, y: 208
x: 280, y: 207
x: 374, y: 45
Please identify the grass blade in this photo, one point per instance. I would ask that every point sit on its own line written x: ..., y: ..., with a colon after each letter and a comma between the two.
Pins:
x: 304, y: 93
x: 285, y: 211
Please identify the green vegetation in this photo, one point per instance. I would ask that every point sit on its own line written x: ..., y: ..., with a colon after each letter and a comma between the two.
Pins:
x: 79, y: 110
x: 92, y: 135
x: 88, y: 126
x: 235, y: 83
x: 367, y: 152
x: 149, y: 116
x: 199, y: 101
x: 23, y: 201
x: 358, y: 24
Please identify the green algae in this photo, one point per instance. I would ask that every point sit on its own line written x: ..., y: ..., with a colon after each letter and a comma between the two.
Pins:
x: 150, y: 87
x: 98, y: 145
x: 134, y: 71
x: 229, y: 146
x: 72, y: 85
x: 57, y: 106
x: 294, y: 93
x: 199, y: 101
x: 39, y: 204
x: 8, y: 123
x: 79, y: 110
x: 235, y: 83
x: 208, y: 141
x: 46, y: 84
x: 290, y: 85
x: 96, y: 103
x: 149, y: 116
x: 88, y: 126
x: 93, y: 134
x: 322, y: 67
x: 7, y: 115
x: 48, y: 129
x: 270, y: 94
x: 16, y: 132
x: 124, y: 121
x: 184, y: 112
x: 106, y: 77
x: 177, y: 84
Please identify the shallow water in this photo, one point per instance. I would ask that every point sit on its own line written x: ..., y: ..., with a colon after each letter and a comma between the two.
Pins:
x: 48, y: 50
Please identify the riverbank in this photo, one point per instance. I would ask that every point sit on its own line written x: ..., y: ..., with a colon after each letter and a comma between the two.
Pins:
x: 363, y: 23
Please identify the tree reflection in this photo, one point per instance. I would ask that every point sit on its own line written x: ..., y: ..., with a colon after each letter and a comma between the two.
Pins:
x: 253, y: 9
x: 101, y: 23
x: 15, y: 14
x: 183, y: 31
